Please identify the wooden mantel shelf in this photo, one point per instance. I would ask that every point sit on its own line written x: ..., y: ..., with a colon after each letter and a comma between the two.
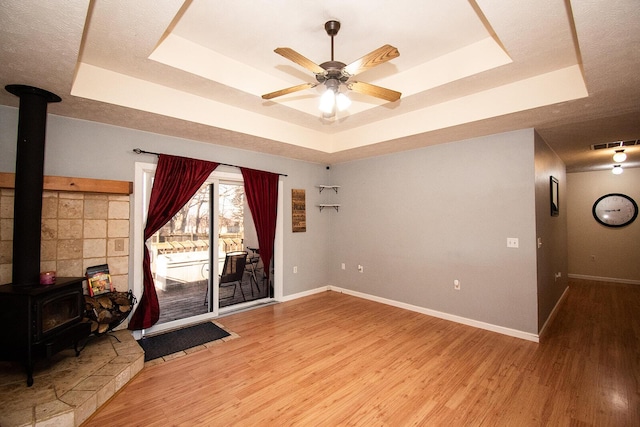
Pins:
x: 84, y: 185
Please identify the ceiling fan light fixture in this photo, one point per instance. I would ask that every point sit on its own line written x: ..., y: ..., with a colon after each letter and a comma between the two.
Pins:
x: 332, y: 100
x: 334, y: 73
x: 620, y: 156
x: 617, y: 170
x: 327, y: 101
x: 342, y: 101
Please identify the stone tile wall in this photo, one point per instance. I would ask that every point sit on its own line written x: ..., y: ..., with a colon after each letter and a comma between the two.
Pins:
x: 79, y: 230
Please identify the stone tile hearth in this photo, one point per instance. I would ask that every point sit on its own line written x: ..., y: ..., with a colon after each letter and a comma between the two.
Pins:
x: 68, y: 390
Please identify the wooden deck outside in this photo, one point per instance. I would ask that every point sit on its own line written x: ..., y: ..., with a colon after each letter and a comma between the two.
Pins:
x: 331, y: 359
x: 182, y: 300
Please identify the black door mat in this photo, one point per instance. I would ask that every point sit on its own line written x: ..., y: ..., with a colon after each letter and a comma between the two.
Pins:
x: 182, y: 339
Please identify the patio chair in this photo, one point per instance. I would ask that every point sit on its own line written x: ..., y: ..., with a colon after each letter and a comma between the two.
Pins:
x: 233, y: 271
x: 255, y: 269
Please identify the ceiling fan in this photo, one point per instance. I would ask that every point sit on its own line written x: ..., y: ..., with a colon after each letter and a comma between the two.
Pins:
x: 335, y: 73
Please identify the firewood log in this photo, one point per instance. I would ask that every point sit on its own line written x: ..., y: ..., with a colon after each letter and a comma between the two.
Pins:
x: 105, y: 302
x: 104, y: 316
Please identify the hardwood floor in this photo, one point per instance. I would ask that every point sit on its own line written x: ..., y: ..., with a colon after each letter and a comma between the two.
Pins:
x: 332, y: 359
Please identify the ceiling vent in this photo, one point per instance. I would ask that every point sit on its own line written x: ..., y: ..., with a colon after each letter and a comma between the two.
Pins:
x: 615, y: 144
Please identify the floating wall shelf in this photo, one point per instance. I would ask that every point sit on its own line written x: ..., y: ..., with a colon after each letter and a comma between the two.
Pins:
x: 329, y: 205
x: 334, y: 187
x: 322, y: 206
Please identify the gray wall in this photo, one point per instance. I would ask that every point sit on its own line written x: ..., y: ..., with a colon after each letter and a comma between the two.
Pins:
x: 79, y: 148
x: 551, y: 230
x: 416, y: 221
x: 419, y: 220
x: 595, y: 251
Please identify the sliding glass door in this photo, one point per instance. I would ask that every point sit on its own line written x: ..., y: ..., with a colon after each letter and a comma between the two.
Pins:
x: 234, y: 285
x: 188, y: 258
x: 180, y: 259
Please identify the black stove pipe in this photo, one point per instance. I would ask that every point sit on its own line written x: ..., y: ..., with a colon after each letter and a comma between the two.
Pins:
x: 29, y: 177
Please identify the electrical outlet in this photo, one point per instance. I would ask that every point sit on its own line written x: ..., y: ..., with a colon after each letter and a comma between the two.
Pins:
x: 512, y: 242
x: 360, y: 269
x: 456, y: 285
x: 295, y: 269
x: 119, y: 245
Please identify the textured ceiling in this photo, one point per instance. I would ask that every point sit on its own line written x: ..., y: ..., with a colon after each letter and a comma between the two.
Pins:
x: 196, y: 69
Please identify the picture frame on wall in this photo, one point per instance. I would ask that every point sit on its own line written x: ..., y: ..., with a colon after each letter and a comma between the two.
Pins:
x: 298, y: 211
x: 554, y: 195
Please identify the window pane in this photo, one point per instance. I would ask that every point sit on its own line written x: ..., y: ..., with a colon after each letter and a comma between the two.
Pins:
x: 231, y: 219
x: 180, y: 260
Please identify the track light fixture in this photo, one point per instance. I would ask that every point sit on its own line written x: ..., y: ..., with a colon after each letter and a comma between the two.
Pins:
x: 620, y: 156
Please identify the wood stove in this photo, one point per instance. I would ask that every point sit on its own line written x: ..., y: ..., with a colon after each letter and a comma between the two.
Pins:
x: 36, y: 320
x: 39, y: 321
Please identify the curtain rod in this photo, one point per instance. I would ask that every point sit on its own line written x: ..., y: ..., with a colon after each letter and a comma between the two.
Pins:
x: 139, y: 151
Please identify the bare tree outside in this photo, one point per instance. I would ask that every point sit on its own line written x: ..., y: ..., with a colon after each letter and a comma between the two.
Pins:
x: 192, y: 222
x: 231, y: 210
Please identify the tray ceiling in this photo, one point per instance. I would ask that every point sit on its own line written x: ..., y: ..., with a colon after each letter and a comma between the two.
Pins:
x: 196, y: 69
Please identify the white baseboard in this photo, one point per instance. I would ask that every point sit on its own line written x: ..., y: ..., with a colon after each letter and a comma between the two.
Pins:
x: 458, y: 319
x: 304, y: 294
x: 446, y: 316
x: 554, y: 312
x: 603, y: 279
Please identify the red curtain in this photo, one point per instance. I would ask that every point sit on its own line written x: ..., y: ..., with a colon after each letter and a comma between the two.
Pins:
x: 176, y: 180
x: 261, y: 190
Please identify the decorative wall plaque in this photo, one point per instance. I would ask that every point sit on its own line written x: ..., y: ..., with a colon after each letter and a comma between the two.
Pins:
x: 298, y: 211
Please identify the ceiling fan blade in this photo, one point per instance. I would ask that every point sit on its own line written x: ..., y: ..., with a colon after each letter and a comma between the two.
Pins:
x: 373, y: 90
x: 289, y: 90
x: 370, y: 60
x: 304, y: 62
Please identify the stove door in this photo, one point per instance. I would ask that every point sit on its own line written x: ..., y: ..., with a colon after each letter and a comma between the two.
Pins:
x: 55, y: 312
